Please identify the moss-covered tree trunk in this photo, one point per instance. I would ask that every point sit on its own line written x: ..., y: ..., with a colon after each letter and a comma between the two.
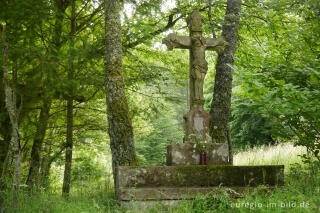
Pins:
x: 119, y: 122
x: 221, y: 102
x: 33, y: 176
x: 44, y: 170
x: 11, y: 105
x: 69, y: 146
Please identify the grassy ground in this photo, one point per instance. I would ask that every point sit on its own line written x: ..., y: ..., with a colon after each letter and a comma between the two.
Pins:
x: 301, y: 192
x: 282, y: 154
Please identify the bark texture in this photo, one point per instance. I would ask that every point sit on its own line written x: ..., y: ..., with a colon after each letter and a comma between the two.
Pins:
x: 221, y: 102
x: 119, y: 121
x: 69, y: 146
x: 10, y: 99
x: 44, y: 167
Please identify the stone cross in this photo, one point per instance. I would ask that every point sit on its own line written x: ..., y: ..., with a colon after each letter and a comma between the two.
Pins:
x: 197, y: 120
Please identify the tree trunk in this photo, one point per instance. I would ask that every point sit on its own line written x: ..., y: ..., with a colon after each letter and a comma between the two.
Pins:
x: 221, y: 102
x: 33, y: 177
x: 69, y: 144
x: 119, y: 121
x: 4, y: 144
x: 5, y: 164
x: 5, y: 133
x: 44, y: 165
x: 10, y: 99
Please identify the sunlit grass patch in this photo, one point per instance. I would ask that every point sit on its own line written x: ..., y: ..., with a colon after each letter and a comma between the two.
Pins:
x: 281, y: 154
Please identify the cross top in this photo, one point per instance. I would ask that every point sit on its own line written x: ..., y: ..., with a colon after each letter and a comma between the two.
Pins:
x: 197, y: 120
x: 194, y: 21
x: 197, y: 45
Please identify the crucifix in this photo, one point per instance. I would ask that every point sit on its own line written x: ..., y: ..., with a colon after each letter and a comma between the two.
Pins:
x: 196, y: 120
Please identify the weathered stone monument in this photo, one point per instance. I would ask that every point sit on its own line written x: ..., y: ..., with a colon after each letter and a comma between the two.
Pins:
x: 197, y: 119
x: 184, y: 178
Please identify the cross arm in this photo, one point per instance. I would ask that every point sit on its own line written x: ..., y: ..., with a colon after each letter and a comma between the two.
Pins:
x: 216, y: 44
x: 174, y: 41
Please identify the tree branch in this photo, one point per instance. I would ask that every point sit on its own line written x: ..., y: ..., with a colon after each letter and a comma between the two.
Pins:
x: 170, y: 24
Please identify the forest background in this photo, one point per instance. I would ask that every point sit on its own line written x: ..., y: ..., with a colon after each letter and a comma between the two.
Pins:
x: 55, y: 63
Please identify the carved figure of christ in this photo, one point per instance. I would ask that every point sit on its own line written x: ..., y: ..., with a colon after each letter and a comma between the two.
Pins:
x: 197, y: 45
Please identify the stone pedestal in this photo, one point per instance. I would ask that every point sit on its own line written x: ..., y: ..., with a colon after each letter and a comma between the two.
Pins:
x: 197, y: 125
x: 188, y: 154
x: 186, y: 182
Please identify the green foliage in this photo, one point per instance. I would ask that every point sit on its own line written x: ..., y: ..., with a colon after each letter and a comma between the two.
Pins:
x: 85, y: 170
x: 276, y: 90
x: 250, y: 128
x: 152, y: 145
x: 214, y: 201
x: 95, y: 199
x: 277, y: 76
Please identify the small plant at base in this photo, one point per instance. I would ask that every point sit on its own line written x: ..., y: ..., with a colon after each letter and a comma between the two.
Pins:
x: 201, y: 145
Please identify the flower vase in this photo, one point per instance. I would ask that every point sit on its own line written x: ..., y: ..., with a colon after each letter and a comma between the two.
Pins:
x: 203, y: 158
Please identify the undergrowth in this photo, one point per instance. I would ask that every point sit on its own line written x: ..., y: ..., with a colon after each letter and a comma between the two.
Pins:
x: 301, y: 193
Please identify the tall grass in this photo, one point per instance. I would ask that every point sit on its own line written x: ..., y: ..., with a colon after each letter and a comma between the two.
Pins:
x: 282, y: 154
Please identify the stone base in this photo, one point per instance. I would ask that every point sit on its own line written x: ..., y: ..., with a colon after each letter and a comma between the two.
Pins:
x: 186, y: 182
x: 177, y: 193
x: 196, y: 125
x: 187, y: 154
x: 168, y: 197
x: 138, y: 205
